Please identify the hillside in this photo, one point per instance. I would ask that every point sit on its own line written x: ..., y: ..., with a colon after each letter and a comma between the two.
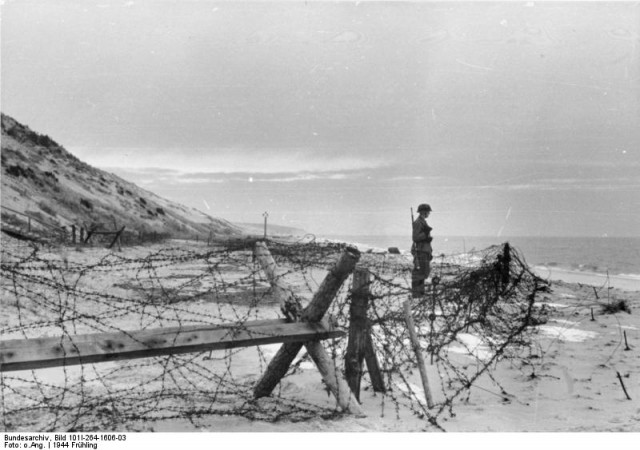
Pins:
x: 42, y: 179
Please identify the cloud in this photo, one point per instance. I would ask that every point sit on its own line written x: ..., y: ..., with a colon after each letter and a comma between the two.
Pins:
x: 154, y: 175
x: 230, y: 160
x: 565, y: 185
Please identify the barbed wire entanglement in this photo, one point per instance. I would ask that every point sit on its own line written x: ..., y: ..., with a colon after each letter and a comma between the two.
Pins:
x: 478, y: 310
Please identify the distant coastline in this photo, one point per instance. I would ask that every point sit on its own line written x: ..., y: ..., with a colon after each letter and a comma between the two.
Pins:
x: 567, y: 258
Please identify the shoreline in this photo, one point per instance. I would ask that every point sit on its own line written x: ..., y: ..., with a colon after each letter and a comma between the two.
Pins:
x: 626, y: 283
x: 601, y: 280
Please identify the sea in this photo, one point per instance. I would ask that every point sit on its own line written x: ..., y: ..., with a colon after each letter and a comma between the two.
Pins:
x: 619, y: 256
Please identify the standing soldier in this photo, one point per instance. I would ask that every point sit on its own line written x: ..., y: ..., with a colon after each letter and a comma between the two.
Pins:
x: 421, y: 250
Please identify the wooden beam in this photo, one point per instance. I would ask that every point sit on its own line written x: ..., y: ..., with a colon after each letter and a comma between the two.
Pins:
x: 289, y: 304
x: 314, y: 312
x: 377, y: 381
x: 327, y: 291
x: 38, y: 353
x: 333, y: 379
x: 416, y: 348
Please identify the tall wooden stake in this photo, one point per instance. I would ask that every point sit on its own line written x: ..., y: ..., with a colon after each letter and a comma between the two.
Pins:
x: 358, y: 330
x: 360, y: 345
x: 416, y: 348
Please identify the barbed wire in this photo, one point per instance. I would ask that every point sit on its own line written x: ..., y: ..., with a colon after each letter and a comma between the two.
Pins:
x: 480, y: 305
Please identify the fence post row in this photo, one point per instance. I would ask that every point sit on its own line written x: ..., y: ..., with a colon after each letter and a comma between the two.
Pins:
x: 17, y: 231
x: 314, y: 312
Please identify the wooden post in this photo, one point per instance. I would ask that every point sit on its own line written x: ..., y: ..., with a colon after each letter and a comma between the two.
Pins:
x: 358, y: 329
x: 289, y: 304
x: 360, y: 345
x: 81, y: 234
x: 623, y: 386
x: 266, y: 214
x: 416, y: 348
x: 626, y: 344
x: 73, y: 233
x: 316, y: 309
x: 332, y: 378
x: 377, y: 381
x: 330, y: 285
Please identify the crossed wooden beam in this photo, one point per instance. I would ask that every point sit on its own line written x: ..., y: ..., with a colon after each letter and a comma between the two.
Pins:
x: 302, y: 327
x: 314, y: 312
x: 91, y: 232
x: 66, y: 350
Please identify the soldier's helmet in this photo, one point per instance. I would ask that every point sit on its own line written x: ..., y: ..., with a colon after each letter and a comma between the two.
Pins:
x: 424, y: 207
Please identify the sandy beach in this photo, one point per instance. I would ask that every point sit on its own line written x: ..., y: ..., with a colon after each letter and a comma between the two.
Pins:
x: 570, y: 379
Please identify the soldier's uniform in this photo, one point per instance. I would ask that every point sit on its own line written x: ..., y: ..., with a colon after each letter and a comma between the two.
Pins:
x: 421, y: 251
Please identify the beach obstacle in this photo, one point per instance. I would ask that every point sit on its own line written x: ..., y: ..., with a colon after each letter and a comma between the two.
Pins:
x: 92, y: 231
x: 211, y: 297
x: 301, y: 327
x: 313, y: 313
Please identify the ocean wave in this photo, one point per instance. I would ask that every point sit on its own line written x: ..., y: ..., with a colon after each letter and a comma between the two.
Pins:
x: 587, y: 269
x: 623, y: 281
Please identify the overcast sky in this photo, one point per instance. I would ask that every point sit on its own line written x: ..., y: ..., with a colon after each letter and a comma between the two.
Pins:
x: 509, y: 118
